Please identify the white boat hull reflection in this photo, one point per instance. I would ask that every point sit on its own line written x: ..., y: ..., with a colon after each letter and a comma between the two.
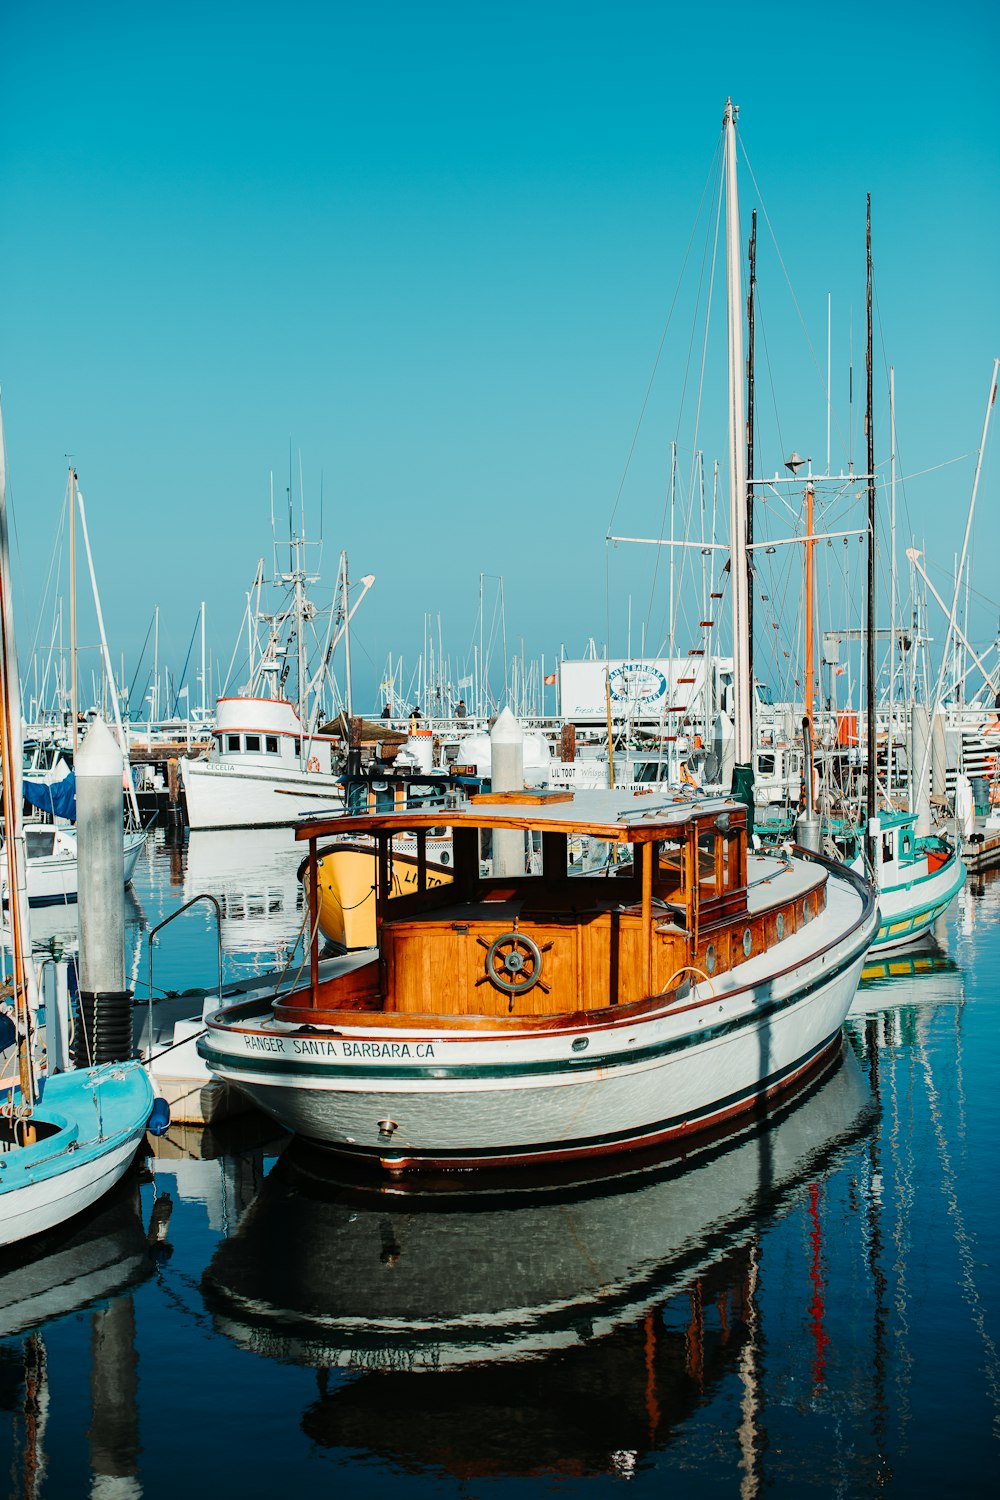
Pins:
x: 324, y: 1272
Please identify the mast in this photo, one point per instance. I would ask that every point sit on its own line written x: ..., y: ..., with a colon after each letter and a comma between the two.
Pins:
x: 752, y: 270
x: 11, y: 762
x: 73, y: 707
x: 810, y: 607
x: 737, y: 473
x: 892, y: 581
x: 870, y: 666
x: 347, y: 634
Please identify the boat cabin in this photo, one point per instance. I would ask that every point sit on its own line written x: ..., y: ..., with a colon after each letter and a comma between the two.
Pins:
x: 267, y: 733
x: 516, y: 936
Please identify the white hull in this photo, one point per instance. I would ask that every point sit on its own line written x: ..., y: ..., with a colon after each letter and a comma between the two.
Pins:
x: 44, y: 1204
x: 92, y: 1122
x: 592, y: 1260
x: 414, y: 1097
x: 909, y: 911
x: 225, y: 794
x: 53, y: 879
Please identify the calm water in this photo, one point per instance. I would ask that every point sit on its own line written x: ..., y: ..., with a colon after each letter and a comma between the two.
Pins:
x: 813, y: 1307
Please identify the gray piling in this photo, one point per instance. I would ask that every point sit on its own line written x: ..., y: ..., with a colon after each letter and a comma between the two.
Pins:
x: 105, y: 1004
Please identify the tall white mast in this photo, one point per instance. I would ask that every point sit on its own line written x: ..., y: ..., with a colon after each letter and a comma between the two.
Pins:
x: 737, y: 455
x: 892, y: 580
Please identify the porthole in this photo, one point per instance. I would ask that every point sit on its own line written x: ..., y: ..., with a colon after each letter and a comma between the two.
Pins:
x: 580, y: 1044
x: 779, y: 925
x: 710, y: 959
x: 747, y: 942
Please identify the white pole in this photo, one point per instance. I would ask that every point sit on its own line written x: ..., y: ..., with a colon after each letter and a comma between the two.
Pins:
x: 892, y: 575
x: 828, y: 382
x: 737, y: 455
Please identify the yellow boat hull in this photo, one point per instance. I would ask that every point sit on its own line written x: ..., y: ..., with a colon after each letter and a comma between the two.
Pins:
x: 346, y: 890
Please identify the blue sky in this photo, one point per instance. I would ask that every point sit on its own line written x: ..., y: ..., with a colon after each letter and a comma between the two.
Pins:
x: 430, y: 250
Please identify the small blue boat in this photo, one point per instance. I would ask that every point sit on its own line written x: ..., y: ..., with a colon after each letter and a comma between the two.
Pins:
x: 79, y: 1139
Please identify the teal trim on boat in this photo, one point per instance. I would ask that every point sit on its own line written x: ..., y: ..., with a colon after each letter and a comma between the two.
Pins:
x: 917, y: 919
x: 223, y: 1062
x: 89, y: 1111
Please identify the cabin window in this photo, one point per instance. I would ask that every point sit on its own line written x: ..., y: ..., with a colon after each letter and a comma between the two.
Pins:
x: 40, y: 841
x: 669, y: 870
x: 271, y: 744
x: 648, y: 770
x: 233, y: 744
x: 357, y: 797
x: 711, y: 865
x: 384, y: 797
x: 907, y: 843
x: 298, y: 745
x: 765, y: 765
x: 512, y: 849
x: 887, y: 853
x: 252, y: 741
x: 590, y: 856
x: 418, y: 794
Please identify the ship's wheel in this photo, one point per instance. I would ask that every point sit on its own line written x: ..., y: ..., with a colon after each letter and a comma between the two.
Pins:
x: 513, y: 963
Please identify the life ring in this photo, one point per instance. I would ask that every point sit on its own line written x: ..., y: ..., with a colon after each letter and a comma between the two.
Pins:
x: 514, y: 963
x: 313, y: 763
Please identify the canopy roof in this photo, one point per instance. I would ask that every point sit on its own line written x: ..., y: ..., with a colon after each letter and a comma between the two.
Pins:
x: 622, y: 816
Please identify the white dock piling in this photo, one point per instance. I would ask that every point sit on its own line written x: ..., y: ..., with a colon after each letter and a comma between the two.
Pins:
x: 105, y: 1004
x: 507, y: 775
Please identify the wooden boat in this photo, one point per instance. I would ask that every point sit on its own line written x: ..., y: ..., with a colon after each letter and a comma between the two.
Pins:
x: 529, y: 1018
x: 525, y: 1015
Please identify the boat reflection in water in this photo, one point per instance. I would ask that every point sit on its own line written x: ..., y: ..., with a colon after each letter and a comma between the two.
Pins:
x: 429, y: 1313
x: 102, y: 1254
x: 91, y: 1266
x: 252, y: 873
x: 930, y: 977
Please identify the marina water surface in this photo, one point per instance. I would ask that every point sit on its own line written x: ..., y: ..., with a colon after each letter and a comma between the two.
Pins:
x: 809, y: 1306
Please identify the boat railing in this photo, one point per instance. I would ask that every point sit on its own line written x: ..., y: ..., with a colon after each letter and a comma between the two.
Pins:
x: 159, y: 928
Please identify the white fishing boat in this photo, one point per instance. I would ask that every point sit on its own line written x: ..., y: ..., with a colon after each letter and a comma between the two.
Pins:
x: 270, y: 762
x: 264, y: 770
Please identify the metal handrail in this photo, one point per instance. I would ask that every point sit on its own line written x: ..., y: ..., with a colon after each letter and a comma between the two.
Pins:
x: 165, y: 923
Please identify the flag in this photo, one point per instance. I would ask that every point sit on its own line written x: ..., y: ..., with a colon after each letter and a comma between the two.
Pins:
x: 550, y: 679
x: 840, y: 672
x: 465, y: 682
